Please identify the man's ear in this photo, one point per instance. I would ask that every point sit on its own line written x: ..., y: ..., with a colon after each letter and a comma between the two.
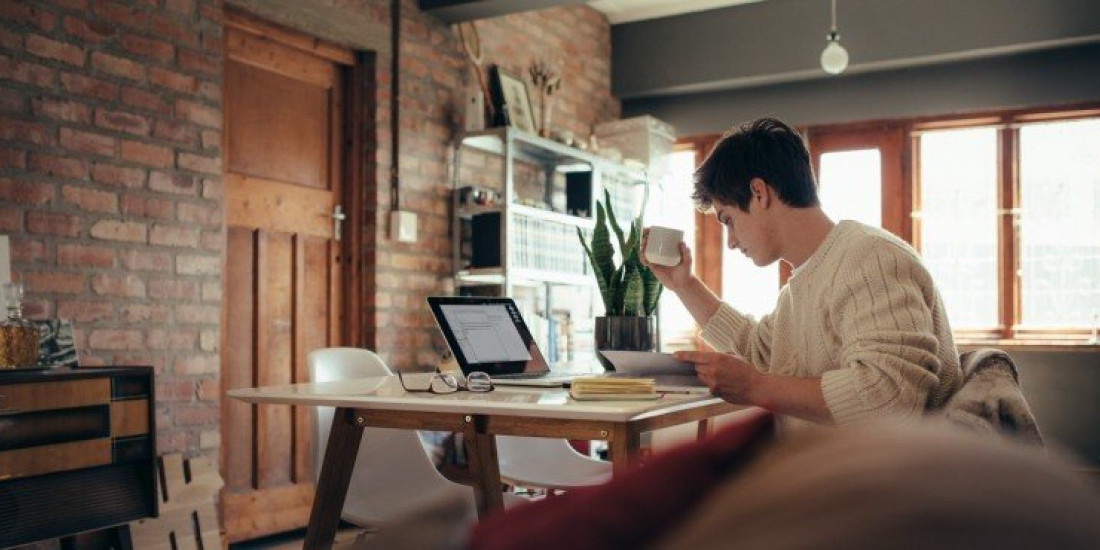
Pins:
x: 761, y: 192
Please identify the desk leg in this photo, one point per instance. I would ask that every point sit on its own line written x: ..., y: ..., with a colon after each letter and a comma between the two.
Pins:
x: 623, y: 446
x: 332, y: 488
x: 481, y: 453
x: 703, y: 429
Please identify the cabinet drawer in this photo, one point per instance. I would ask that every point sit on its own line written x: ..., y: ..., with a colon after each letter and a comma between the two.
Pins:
x: 55, y: 458
x: 129, y: 418
x: 34, y: 429
x: 37, y: 396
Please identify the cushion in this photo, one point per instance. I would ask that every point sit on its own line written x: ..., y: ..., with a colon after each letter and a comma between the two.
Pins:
x: 637, y: 505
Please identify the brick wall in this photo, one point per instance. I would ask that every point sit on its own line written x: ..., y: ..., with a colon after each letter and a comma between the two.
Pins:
x: 110, y: 131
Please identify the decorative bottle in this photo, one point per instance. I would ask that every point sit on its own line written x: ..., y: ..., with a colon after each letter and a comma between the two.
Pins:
x: 18, y: 336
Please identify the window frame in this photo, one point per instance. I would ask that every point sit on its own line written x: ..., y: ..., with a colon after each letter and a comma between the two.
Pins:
x: 901, y: 205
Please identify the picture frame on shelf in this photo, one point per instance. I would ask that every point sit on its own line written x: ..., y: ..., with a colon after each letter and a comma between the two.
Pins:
x: 511, y: 100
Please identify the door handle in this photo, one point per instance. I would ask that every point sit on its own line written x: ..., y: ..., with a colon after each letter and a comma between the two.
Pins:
x: 338, y: 218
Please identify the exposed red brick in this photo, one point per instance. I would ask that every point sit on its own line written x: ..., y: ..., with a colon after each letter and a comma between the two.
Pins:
x: 69, y: 111
x: 213, y: 241
x: 211, y: 139
x: 203, y: 115
x: 144, y: 314
x: 11, y: 220
x: 141, y: 99
x: 88, y: 31
x: 53, y: 282
x: 209, y: 389
x: 28, y: 251
x: 123, y: 122
x: 198, y: 415
x: 196, y: 163
x: 118, y: 66
x: 87, y: 256
x: 12, y: 129
x: 212, y: 292
x: 13, y: 158
x: 88, y: 142
x: 135, y: 206
x: 111, y: 174
x: 183, y: 7
x: 120, y: 14
x: 180, y: 184
x: 193, y: 314
x: 207, y: 215
x: 52, y: 49
x: 113, y: 230
x: 26, y: 13
x: 213, y: 189
x: 211, y: 91
x: 115, y: 339
x: 169, y: 28
x: 179, y: 132
x: 147, y: 154
x: 198, y: 265
x: 172, y: 80
x: 140, y: 260
x: 83, y: 311
x: 173, y: 289
x: 127, y: 285
x: 92, y: 87
x: 53, y: 223
x: 195, y: 365
x: 147, y: 47
x: 65, y: 167
x: 173, y: 390
x: 90, y: 200
x: 164, y: 235
x: 195, y: 61
x: 27, y: 72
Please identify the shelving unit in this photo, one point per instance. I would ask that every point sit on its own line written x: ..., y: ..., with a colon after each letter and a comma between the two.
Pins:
x: 529, y: 252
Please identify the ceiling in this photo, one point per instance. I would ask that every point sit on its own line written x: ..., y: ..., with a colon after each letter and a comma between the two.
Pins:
x: 626, y: 11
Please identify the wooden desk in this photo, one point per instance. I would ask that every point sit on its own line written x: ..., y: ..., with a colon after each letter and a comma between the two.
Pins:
x: 380, y: 402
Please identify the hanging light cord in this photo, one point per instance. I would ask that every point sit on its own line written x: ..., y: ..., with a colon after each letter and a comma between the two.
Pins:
x: 834, y: 17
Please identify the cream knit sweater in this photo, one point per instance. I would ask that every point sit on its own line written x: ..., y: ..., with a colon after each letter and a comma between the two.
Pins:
x: 862, y: 314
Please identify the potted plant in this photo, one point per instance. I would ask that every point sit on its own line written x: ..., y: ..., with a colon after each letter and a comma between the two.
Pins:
x: 630, y: 290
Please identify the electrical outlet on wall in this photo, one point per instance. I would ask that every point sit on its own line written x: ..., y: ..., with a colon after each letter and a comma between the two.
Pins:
x: 403, y: 226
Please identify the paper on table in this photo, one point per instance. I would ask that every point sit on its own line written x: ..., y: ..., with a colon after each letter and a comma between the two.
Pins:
x: 647, y: 363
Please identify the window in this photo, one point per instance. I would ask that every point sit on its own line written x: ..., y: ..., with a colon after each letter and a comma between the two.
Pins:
x: 670, y: 205
x: 1059, y: 224
x: 850, y: 185
x: 958, y: 197
x: 1009, y: 223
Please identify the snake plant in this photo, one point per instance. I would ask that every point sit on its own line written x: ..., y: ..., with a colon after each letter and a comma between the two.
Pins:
x: 630, y: 289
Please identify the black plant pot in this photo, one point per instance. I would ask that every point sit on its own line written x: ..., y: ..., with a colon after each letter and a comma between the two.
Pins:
x: 625, y: 333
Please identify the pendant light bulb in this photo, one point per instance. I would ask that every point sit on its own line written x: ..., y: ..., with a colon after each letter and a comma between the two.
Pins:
x: 834, y: 59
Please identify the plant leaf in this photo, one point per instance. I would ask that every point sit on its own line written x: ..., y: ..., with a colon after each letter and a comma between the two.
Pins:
x: 601, y: 280
x: 632, y: 293
x: 614, y: 222
x: 652, y: 290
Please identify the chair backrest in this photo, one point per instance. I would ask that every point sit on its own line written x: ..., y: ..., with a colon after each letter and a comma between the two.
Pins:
x: 393, y: 473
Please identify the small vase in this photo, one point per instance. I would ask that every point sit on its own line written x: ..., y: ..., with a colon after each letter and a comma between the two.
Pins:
x: 625, y: 333
x: 547, y: 107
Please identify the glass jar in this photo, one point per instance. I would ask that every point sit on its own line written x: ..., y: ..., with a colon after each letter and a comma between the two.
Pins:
x: 18, y: 336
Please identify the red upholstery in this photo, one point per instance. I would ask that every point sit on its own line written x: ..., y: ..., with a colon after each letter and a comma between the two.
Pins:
x: 634, y: 507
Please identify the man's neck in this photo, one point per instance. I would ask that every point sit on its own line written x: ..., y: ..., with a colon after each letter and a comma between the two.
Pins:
x: 802, y: 232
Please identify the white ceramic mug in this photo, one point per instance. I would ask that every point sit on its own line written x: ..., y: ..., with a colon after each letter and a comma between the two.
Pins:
x: 663, y: 245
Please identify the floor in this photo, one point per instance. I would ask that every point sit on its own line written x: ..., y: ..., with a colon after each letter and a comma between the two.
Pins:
x: 294, y: 539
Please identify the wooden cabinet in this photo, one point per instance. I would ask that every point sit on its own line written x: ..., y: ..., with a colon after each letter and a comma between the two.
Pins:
x: 77, y: 451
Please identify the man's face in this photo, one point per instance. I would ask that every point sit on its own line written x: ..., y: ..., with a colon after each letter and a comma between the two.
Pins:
x: 747, y: 231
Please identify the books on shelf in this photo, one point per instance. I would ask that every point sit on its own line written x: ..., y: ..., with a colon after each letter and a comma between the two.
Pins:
x: 601, y: 388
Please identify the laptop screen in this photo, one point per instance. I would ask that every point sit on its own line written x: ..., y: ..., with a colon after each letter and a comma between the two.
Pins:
x: 488, y: 335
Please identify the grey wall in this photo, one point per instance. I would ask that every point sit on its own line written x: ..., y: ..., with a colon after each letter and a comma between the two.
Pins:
x: 1063, y: 389
x: 1051, y: 77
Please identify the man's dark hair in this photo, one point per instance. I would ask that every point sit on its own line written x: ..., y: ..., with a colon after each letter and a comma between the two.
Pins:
x: 765, y: 148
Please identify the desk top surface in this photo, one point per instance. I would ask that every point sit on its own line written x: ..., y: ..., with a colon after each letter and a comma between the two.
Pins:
x: 385, y: 393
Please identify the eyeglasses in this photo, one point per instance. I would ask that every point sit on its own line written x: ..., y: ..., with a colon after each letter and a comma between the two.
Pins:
x: 443, y: 383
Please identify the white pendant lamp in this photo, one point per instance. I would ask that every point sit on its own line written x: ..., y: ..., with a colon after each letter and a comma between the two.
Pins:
x: 834, y: 59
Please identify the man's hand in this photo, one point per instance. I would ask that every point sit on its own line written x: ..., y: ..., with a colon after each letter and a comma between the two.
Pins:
x: 728, y: 376
x: 674, y: 277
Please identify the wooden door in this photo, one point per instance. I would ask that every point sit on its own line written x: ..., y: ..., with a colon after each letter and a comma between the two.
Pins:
x: 283, y: 278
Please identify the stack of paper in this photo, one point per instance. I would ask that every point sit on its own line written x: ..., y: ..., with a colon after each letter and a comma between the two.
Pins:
x: 597, y: 388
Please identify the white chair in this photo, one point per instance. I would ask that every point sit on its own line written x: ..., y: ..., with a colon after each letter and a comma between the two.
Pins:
x: 538, y: 462
x: 393, y: 476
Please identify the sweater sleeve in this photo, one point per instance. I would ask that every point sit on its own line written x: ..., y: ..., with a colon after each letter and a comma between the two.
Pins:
x: 883, y: 321
x: 729, y: 330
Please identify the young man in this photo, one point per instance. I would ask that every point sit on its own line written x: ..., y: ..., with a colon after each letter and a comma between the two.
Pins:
x: 858, y: 331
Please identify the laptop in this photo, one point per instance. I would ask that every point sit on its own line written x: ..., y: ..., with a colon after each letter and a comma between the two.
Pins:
x: 488, y: 334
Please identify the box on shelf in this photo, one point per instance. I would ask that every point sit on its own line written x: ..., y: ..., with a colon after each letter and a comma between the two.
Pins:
x: 643, y: 138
